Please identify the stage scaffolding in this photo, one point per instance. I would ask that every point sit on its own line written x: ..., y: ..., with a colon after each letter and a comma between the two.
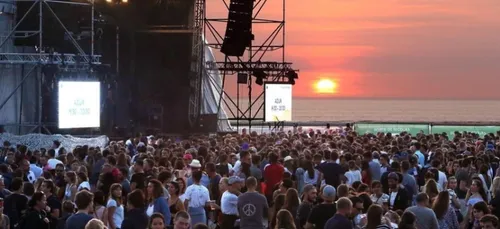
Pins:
x: 256, y: 58
x: 79, y: 62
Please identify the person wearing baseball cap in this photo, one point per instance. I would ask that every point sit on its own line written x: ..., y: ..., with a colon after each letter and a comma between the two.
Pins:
x: 229, y: 202
x: 322, y: 212
x: 398, y: 196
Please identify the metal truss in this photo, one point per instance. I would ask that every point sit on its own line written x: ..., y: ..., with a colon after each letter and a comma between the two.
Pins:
x: 256, y: 59
x: 49, y: 58
x: 197, y: 63
x: 81, y: 61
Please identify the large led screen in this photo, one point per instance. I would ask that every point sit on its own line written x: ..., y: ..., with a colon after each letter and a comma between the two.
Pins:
x: 79, y: 104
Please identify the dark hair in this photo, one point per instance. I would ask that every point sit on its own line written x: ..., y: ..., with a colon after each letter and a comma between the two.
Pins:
x: 83, y: 199
x: 68, y: 207
x: 164, y: 176
x: 136, y: 198
x: 28, y: 189
x: 17, y: 184
x: 181, y: 214
x: 49, y: 184
x: 200, y: 226
x: 157, y: 190
x: 99, y: 198
x: 197, y: 176
x: 177, y: 187
x: 38, y: 196
x: 155, y: 215
x: 490, y: 218
x: 481, y: 206
x: 309, y: 167
x: 114, y: 187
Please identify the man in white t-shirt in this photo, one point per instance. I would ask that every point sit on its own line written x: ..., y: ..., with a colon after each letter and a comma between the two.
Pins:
x: 52, y: 162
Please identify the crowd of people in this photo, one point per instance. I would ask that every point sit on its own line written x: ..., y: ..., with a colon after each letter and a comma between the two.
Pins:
x: 300, y: 179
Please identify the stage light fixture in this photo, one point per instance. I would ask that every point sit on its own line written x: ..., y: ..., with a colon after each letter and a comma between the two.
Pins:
x: 259, y: 77
x: 292, y: 76
x: 109, y: 1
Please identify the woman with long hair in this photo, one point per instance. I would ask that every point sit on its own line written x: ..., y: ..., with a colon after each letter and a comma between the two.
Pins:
x: 447, y: 219
x: 182, y: 187
x: 71, y: 186
x: 431, y: 189
x: 279, y: 202
x: 157, y: 201
x: 115, y: 207
x: 284, y: 220
x: 292, y: 201
x: 157, y: 221
x: 100, y: 211
x: 311, y: 174
x: 475, y: 195
x: 495, y: 200
x: 486, y: 179
x: 374, y: 218
x: 83, y: 181
x: 174, y: 202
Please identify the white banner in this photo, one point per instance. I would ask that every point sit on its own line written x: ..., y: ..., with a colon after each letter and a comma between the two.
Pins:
x: 278, y: 102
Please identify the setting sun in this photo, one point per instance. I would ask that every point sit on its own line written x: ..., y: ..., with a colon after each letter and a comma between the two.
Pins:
x: 325, y: 86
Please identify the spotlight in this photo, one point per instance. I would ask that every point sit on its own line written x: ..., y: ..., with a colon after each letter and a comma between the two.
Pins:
x: 124, y: 1
x: 292, y: 76
x: 109, y: 1
x: 259, y: 77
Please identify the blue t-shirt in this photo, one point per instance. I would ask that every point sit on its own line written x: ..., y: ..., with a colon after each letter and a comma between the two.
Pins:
x: 77, y: 221
x: 338, y: 221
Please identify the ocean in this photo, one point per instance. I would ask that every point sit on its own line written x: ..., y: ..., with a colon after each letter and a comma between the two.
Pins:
x: 391, y: 110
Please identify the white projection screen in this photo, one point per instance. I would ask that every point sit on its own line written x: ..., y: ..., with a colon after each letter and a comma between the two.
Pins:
x: 277, y: 102
x: 79, y: 104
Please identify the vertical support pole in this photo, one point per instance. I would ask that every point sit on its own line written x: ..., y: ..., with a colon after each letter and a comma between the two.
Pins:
x: 92, y: 41
x: 117, y: 50
x: 40, y: 27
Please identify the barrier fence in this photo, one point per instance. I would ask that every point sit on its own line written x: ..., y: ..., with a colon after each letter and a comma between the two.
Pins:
x: 396, y: 128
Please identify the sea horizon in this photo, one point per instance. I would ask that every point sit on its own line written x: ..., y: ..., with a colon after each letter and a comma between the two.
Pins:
x: 399, y: 110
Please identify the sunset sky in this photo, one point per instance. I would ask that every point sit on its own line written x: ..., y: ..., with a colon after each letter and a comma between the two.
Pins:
x: 388, y: 48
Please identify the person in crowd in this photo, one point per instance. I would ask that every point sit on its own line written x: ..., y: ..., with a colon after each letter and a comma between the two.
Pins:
x: 252, y: 206
x: 322, y: 212
x: 95, y: 224
x: 71, y: 186
x: 16, y: 203
x: 157, y: 201
x: 398, y: 196
x: 48, y: 188
x: 330, y: 170
x: 136, y: 216
x: 229, y: 203
x: 174, y: 202
x: 357, y: 211
x: 479, y: 210
x: 308, y: 198
x: 489, y: 222
x: 278, y: 204
x: 374, y: 218
x: 341, y: 218
x: 157, y: 221
x: 378, y: 197
x: 114, y: 206
x: 182, y: 220
x: 408, y: 221
x: 138, y: 180
x: 353, y: 174
x: 273, y: 174
x: 84, y: 203
x: 292, y: 201
x: 4, y: 219
x: 445, y: 213
x: 100, y: 210
x: 284, y: 220
x: 426, y: 218
x: 35, y: 217
x: 68, y: 209
x: 196, y: 197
